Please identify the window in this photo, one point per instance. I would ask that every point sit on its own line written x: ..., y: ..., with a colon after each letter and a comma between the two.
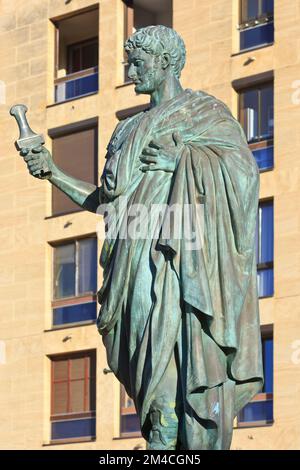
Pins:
x: 141, y: 13
x: 260, y: 410
x: 130, y: 425
x: 256, y: 115
x: 73, y: 397
x: 77, y: 154
x: 256, y: 23
x: 76, y: 67
x: 265, y: 249
x: 74, y: 281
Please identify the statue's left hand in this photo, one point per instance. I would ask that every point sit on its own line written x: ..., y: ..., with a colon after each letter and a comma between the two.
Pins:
x: 161, y: 157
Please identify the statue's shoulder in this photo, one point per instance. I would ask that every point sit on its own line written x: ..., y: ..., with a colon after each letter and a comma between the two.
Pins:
x: 122, y: 131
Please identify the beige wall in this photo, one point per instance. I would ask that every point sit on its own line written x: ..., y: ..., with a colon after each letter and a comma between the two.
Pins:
x: 26, y: 67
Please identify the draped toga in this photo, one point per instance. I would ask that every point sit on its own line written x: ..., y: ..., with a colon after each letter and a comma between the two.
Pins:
x: 157, y: 292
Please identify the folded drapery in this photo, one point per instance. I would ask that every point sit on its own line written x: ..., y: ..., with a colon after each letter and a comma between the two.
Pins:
x: 161, y: 291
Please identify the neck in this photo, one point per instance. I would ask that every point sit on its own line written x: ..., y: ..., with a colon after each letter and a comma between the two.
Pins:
x: 168, y: 89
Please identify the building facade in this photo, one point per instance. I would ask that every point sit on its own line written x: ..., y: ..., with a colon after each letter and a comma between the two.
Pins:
x: 65, y: 61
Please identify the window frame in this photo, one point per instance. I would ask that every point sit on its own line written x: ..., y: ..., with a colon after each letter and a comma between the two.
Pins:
x: 261, y: 142
x: 78, y: 299
x: 67, y: 131
x: 261, y: 20
x: 257, y: 87
x: 260, y: 16
x: 90, y: 366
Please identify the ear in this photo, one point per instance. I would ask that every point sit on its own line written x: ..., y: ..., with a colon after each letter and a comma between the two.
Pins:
x: 165, y: 60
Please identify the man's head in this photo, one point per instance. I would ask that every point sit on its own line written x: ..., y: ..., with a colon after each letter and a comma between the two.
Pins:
x: 153, y: 53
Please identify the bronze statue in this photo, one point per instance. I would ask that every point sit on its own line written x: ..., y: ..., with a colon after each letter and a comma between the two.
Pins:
x: 179, y: 321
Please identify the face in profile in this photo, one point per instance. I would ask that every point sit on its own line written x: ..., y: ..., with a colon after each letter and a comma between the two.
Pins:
x: 144, y: 71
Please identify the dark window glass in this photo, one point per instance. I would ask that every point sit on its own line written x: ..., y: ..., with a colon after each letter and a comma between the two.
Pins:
x: 268, y: 364
x: 87, y: 265
x: 257, y: 112
x: 261, y: 408
x: 90, y: 55
x: 75, y: 275
x: 257, y: 27
x: 77, y: 154
x: 74, y: 313
x: 256, y: 115
x: 253, y: 9
x: 265, y: 249
x: 64, y: 271
x: 265, y: 282
x: 129, y: 418
x: 73, y: 429
x: 257, y: 36
x: 265, y: 239
x: 264, y: 157
x: 82, y: 56
x: 257, y: 411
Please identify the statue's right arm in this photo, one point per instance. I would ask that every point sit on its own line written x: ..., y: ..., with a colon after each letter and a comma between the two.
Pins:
x: 86, y: 195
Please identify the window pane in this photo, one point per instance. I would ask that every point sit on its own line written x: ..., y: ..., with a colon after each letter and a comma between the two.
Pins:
x: 60, y: 370
x: 257, y: 411
x: 257, y: 36
x: 60, y: 391
x: 266, y: 232
x: 268, y: 364
x: 90, y: 55
x: 130, y: 423
x: 75, y: 313
x: 264, y: 157
x: 78, y: 368
x: 265, y: 282
x: 77, y: 396
x: 74, y: 58
x: 249, y: 113
x: 64, y: 271
x: 126, y: 401
x: 252, y: 9
x: 87, y: 265
x: 267, y: 112
x: 77, y: 155
x: 73, y: 428
x: 267, y: 6
x: 249, y: 10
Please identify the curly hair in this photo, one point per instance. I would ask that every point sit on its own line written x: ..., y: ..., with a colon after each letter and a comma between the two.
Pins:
x: 157, y: 40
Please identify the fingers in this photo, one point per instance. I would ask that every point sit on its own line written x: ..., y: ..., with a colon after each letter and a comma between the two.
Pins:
x: 150, y: 151
x: 38, y: 149
x: 145, y: 168
x: 148, y: 159
x: 34, y: 164
x: 24, y: 152
x: 30, y: 156
x: 154, y: 144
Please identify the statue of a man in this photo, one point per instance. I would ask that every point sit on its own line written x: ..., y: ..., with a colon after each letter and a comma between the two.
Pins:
x: 180, y: 322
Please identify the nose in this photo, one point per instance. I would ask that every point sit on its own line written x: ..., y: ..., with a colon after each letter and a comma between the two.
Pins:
x: 131, y: 72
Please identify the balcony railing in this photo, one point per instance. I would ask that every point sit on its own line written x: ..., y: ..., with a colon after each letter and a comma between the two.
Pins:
x: 77, y: 84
